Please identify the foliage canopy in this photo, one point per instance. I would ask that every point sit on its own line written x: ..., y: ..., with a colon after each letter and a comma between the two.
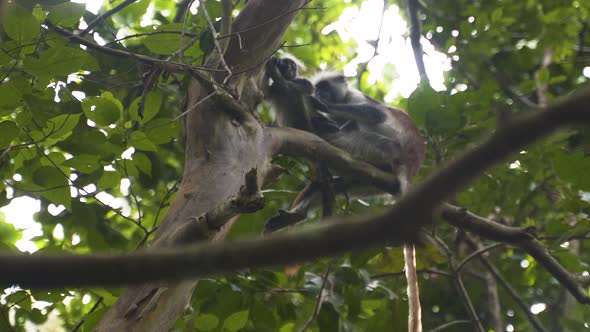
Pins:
x: 72, y: 136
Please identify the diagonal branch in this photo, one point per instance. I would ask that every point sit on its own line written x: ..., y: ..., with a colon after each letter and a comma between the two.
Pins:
x: 330, y: 238
x: 518, y: 237
x: 104, y: 15
x: 309, y: 146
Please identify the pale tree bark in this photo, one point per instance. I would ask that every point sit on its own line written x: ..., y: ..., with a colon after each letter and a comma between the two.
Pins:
x: 220, y: 151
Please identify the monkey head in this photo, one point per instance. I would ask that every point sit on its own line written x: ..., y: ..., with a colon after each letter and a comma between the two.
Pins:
x: 331, y: 87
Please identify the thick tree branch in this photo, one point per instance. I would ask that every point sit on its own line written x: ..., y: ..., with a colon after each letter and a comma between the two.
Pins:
x: 327, y: 239
x: 300, y: 143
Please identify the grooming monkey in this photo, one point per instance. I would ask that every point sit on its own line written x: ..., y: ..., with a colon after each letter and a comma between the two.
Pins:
x: 383, y: 136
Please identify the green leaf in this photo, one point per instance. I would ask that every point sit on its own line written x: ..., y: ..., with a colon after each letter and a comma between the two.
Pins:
x: 139, y: 140
x: 60, y: 127
x: 573, y: 168
x: 442, y: 120
x: 55, y: 185
x: 150, y: 109
x: 48, y: 176
x: 20, y: 24
x: 9, y: 96
x: 543, y: 75
x: 53, y: 158
x: 103, y: 110
x: 8, y: 132
x: 60, y: 62
x: 162, y: 130
x: 66, y: 14
x: 206, y: 42
x: 109, y: 179
x: 166, y: 43
x: 422, y: 101
x: 21, y: 299
x: 84, y: 163
x: 8, y: 233
x: 206, y: 322
x: 236, y: 321
x: 143, y: 163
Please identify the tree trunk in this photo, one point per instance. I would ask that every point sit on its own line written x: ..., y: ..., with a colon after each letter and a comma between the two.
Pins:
x: 219, y: 153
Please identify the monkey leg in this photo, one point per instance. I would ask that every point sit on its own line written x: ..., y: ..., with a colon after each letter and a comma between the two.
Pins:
x: 308, y: 197
x: 298, y: 210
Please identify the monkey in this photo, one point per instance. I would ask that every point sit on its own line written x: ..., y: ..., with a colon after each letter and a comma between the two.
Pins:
x: 285, y: 89
x: 383, y: 136
x: 370, y: 131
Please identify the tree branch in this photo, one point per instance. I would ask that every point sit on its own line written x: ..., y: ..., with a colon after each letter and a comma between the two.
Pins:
x: 170, y: 66
x: 415, y: 35
x: 103, y: 16
x: 300, y: 143
x: 519, y: 237
x: 330, y: 238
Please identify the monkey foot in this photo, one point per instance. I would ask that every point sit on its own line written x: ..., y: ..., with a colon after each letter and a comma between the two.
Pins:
x: 284, y: 219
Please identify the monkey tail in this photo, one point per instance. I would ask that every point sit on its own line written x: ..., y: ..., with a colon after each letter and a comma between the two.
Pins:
x: 415, y: 311
x: 414, y: 308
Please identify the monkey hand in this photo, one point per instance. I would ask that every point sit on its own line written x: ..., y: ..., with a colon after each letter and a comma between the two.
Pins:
x: 319, y: 104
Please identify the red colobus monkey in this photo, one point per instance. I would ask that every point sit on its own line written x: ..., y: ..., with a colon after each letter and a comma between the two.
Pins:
x: 380, y: 135
x: 383, y: 136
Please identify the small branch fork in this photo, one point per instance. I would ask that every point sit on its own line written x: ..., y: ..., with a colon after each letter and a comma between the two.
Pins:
x: 248, y: 199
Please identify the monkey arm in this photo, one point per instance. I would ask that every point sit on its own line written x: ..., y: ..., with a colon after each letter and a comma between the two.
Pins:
x: 299, y: 143
x: 284, y: 76
x: 361, y: 112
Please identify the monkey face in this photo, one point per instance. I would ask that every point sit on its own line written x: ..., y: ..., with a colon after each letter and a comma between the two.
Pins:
x: 332, y: 89
x: 288, y: 68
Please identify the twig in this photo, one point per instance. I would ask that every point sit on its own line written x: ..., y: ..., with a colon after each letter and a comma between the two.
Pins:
x: 166, y: 65
x: 415, y: 35
x: 375, y: 45
x: 479, y: 252
x: 181, y: 8
x: 318, y: 303
x: 226, y: 22
x: 157, y: 32
x: 519, y: 237
x: 103, y: 16
x: 237, y: 33
x: 94, y: 307
x: 132, y: 193
x: 217, y: 57
x: 542, y: 87
x: 425, y: 271
x: 506, y: 85
x: 450, y: 324
x: 164, y: 199
x: 457, y: 280
x: 42, y: 153
x: 514, y: 295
